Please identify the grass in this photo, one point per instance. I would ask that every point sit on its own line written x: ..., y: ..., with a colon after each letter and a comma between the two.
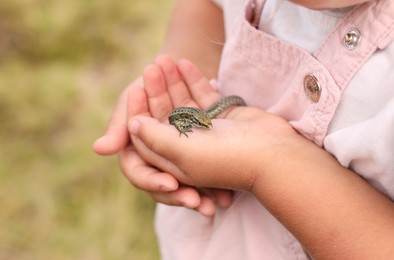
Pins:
x: 62, y: 66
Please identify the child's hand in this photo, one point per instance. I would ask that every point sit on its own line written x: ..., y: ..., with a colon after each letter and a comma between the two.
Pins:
x: 231, y: 155
x: 163, y: 89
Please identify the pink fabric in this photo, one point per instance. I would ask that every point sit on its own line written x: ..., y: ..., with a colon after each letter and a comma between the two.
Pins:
x: 244, y: 231
x: 269, y: 73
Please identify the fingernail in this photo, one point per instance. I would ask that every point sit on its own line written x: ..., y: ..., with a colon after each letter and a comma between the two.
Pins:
x: 166, y: 188
x: 134, y: 126
x: 98, y: 142
x: 100, y: 139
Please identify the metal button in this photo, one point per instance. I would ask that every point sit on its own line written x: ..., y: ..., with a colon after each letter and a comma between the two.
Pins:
x: 312, y: 88
x: 352, y: 39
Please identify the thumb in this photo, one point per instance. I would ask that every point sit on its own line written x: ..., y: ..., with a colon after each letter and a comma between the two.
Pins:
x: 158, y: 143
x: 116, y: 136
x: 158, y: 137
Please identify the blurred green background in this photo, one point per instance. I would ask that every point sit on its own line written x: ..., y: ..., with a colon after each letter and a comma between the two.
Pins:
x: 62, y: 66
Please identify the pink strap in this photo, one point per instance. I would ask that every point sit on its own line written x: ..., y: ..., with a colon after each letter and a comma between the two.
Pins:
x: 375, y: 22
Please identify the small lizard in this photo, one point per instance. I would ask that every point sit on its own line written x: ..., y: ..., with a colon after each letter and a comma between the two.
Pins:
x: 184, y: 118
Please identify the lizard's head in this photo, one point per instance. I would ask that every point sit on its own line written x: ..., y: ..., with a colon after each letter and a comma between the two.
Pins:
x: 203, y: 120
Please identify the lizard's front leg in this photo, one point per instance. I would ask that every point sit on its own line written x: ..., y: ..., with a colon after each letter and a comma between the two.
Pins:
x: 183, y: 126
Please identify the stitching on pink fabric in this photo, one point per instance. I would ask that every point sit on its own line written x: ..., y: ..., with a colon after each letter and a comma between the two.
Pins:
x: 373, y: 45
x: 367, y: 53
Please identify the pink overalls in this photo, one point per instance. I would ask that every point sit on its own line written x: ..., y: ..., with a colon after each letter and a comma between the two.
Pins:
x: 301, y: 87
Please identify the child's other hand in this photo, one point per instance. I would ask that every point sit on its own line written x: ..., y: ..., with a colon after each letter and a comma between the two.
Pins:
x: 116, y: 136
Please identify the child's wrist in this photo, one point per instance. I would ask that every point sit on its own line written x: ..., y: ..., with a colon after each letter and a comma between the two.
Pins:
x: 291, y: 157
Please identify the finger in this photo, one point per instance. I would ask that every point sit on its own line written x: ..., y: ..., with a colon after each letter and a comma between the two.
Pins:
x: 207, y: 206
x: 162, y: 186
x: 116, y: 136
x: 137, y: 103
x: 157, y: 160
x: 143, y: 176
x: 199, y: 86
x: 160, y: 104
x: 222, y: 197
x: 188, y: 197
x: 184, y: 196
x: 176, y: 87
x: 153, y: 138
